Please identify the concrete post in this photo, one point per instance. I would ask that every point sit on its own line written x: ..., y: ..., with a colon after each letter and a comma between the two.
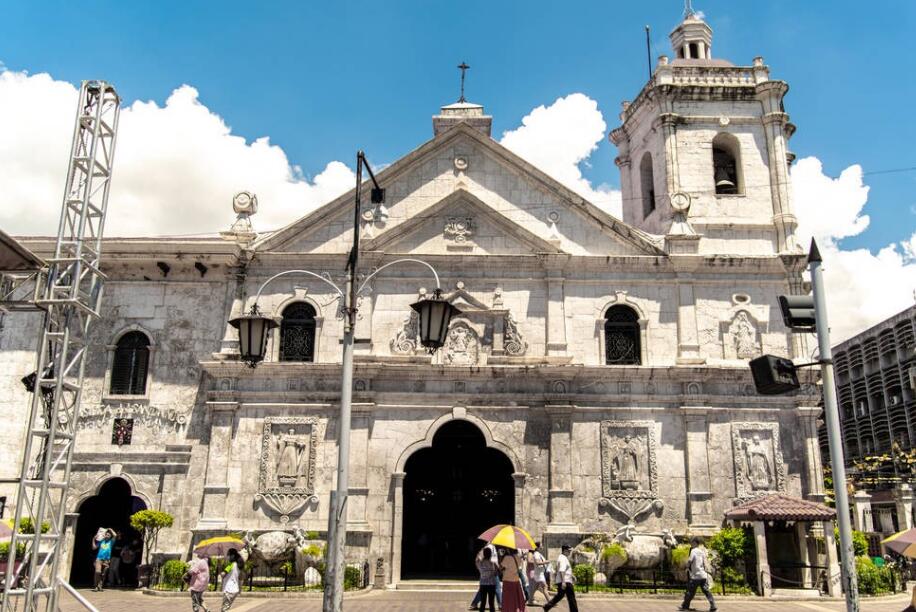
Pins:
x: 833, y: 565
x: 801, y: 534
x: 861, y: 511
x: 903, y: 499
x: 764, y: 584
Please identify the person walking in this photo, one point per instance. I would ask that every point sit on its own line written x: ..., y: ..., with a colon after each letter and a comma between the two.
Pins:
x: 231, y: 580
x: 697, y: 576
x: 199, y: 579
x: 103, y: 547
x: 564, y: 580
x: 513, y: 596
x: 489, y: 574
x: 499, y: 585
x: 537, y: 574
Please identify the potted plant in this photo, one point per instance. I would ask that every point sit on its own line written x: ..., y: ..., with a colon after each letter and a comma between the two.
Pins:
x: 149, y: 523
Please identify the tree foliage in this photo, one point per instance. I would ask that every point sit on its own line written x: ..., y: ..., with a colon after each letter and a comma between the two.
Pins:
x: 150, y: 523
x: 731, y: 544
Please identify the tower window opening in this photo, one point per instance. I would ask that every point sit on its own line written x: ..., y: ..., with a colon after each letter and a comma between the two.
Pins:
x: 726, y: 161
x: 694, y: 51
x: 647, y: 184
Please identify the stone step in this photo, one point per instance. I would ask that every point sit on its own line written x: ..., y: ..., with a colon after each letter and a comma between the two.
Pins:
x: 441, y: 584
x: 795, y: 594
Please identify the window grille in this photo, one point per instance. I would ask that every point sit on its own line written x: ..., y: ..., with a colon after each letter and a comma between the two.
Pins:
x: 131, y: 365
x: 297, y: 333
x: 621, y: 336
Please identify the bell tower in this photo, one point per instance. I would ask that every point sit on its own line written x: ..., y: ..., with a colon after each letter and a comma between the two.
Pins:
x: 703, y: 152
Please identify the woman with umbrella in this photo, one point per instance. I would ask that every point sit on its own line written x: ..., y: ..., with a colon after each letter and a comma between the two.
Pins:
x: 512, y: 539
x: 904, y: 543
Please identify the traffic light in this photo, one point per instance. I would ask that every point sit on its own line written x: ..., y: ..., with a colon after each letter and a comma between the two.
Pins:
x: 798, y: 312
x: 774, y: 375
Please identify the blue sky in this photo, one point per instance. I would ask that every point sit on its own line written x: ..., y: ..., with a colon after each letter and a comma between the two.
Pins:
x: 323, y: 79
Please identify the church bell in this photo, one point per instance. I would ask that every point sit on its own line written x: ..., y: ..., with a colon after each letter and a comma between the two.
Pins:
x: 724, y: 183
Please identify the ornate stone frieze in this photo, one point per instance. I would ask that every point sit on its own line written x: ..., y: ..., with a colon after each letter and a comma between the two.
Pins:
x: 514, y: 344
x: 161, y: 419
x: 629, y: 472
x: 406, y: 339
x: 286, y: 481
x: 759, y: 467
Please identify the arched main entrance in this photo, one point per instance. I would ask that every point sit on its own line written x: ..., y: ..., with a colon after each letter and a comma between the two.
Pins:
x: 453, y: 491
x: 111, y: 508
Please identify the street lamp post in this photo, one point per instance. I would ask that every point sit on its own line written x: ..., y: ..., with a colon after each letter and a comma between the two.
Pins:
x: 434, y: 313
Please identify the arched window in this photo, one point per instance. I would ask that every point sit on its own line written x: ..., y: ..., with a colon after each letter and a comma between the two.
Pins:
x: 726, y: 163
x: 297, y: 333
x: 131, y: 364
x: 621, y: 336
x: 647, y: 184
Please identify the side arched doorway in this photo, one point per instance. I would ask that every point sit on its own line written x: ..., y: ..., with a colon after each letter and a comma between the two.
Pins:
x: 453, y: 491
x: 110, y: 508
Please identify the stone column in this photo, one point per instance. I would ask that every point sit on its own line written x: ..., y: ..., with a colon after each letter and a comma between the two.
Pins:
x: 801, y: 534
x: 521, y: 515
x: 833, y: 565
x: 903, y: 500
x: 216, y: 483
x: 861, y: 512
x: 814, y: 472
x: 234, y: 305
x: 560, y: 494
x: 696, y: 459
x: 669, y: 133
x: 358, y: 492
x: 556, y: 314
x: 765, y: 585
x: 397, y: 524
x: 688, y: 345
x: 776, y: 128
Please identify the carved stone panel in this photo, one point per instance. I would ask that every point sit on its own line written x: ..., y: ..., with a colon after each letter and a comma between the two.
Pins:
x: 629, y: 473
x: 459, y: 229
x: 462, y: 346
x: 741, y: 340
x: 407, y: 338
x: 286, y: 481
x: 759, y: 467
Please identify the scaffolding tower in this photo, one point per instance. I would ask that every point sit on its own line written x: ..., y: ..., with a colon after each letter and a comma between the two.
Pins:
x: 69, y: 291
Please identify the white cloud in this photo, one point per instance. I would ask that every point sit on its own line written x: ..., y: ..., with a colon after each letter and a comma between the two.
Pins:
x: 176, y: 166
x: 863, y: 288
x: 560, y: 137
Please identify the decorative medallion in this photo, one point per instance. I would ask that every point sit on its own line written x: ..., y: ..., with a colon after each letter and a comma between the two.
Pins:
x: 122, y: 430
x: 459, y: 229
x: 286, y: 482
x: 629, y: 473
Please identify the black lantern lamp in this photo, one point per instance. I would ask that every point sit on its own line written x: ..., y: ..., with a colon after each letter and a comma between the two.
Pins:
x: 253, y: 330
x: 435, y: 315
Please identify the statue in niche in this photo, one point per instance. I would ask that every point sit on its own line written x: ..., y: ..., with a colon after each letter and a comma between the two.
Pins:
x: 290, y: 452
x: 461, y: 346
x: 758, y: 465
x: 744, y: 335
x: 625, y: 464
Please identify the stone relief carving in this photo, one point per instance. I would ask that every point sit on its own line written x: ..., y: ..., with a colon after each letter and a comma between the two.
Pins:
x: 742, y: 334
x: 161, y: 419
x: 759, y: 467
x: 514, y: 343
x: 462, y: 346
x: 629, y: 472
x: 406, y: 339
x: 459, y: 229
x: 286, y: 482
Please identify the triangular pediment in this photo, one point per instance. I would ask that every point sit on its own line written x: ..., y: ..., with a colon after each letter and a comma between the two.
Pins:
x: 464, y: 167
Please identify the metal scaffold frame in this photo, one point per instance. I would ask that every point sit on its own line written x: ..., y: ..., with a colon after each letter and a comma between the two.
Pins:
x: 69, y: 291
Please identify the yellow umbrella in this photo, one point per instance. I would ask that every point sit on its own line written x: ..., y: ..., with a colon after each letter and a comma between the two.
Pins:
x: 508, y: 536
x: 218, y: 546
x: 903, y: 542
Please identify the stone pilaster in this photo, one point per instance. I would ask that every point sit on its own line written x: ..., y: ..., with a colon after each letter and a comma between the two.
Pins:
x: 861, y: 512
x: 556, y: 314
x: 216, y: 483
x: 397, y: 524
x: 688, y: 344
x: 521, y: 514
x: 699, y: 489
x: 776, y: 127
x: 560, y: 494
x: 234, y: 305
x: 358, y: 492
x: 814, y: 471
x: 669, y: 134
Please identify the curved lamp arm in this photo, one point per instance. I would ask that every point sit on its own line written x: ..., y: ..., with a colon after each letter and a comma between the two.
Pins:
x: 397, y: 261
x: 306, y: 272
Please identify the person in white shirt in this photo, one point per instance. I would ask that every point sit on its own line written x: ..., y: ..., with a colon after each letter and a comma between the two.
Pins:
x: 231, y: 580
x: 697, y: 576
x: 564, y: 581
x: 537, y: 574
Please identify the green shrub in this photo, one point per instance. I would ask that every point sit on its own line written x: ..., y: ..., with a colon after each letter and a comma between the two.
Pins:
x: 313, y: 550
x: 26, y: 526
x: 584, y: 573
x: 873, y: 579
x: 731, y: 544
x: 679, y: 555
x: 171, y: 573
x: 5, y: 550
x: 614, y: 551
x: 351, y: 578
x: 311, y: 535
x: 859, y: 542
x: 288, y: 568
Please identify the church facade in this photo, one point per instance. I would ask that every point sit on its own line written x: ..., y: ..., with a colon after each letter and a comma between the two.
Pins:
x: 597, y: 375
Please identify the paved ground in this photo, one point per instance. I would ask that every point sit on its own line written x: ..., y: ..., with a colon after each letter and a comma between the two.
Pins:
x: 395, y: 601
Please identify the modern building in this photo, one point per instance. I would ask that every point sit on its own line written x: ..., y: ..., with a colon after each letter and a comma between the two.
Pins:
x: 597, y: 375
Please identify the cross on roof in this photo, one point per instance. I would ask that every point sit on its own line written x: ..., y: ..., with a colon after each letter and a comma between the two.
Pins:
x: 463, y: 67
x: 688, y: 9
